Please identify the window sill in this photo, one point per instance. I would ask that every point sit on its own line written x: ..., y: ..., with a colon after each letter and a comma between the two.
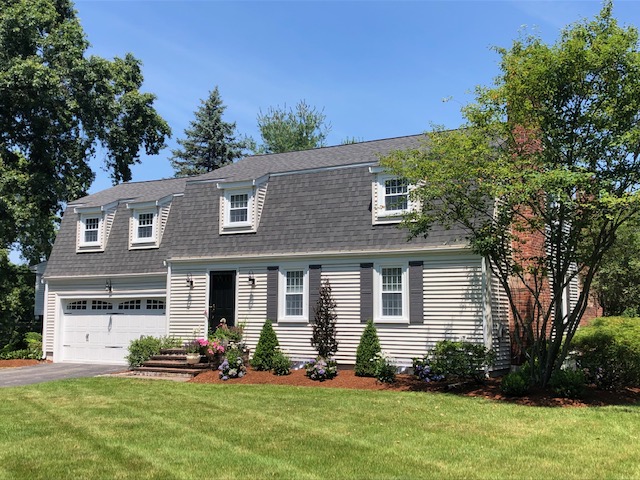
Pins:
x: 392, y: 320
x: 293, y: 320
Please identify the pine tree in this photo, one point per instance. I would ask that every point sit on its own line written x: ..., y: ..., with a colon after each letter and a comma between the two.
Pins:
x: 266, y: 348
x: 367, y: 349
x: 209, y: 142
x: 324, y: 328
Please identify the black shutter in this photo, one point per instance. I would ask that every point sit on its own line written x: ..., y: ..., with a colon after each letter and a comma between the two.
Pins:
x: 416, y: 292
x: 315, y: 282
x: 366, y: 292
x: 272, y: 294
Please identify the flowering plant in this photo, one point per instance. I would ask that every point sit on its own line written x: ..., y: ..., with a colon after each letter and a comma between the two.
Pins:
x: 321, y: 369
x: 213, y: 348
x: 232, y: 366
x: 423, y: 370
x: 384, y: 368
x: 192, y: 346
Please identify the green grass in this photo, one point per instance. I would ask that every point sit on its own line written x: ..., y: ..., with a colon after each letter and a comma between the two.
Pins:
x: 122, y: 428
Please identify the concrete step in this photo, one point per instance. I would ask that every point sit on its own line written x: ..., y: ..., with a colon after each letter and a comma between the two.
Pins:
x: 168, y: 370
x: 174, y: 363
x: 173, y: 351
x: 170, y: 356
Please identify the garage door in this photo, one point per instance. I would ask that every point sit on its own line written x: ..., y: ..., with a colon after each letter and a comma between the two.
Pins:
x: 99, y: 331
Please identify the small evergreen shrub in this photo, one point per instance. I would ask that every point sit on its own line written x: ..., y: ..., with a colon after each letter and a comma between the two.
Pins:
x: 321, y: 369
x: 143, y: 348
x: 515, y: 384
x: 464, y: 360
x: 33, y: 341
x: 423, y: 371
x: 266, y: 348
x: 324, y: 328
x: 568, y: 383
x: 281, y: 365
x: 608, y: 351
x: 368, y: 348
x: 384, y: 369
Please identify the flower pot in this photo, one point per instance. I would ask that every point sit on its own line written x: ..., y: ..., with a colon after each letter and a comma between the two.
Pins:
x: 193, y: 358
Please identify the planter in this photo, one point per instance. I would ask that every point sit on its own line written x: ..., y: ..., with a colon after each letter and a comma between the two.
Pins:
x: 193, y: 358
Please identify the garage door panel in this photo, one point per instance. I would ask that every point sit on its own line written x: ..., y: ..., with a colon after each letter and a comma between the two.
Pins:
x: 103, y: 336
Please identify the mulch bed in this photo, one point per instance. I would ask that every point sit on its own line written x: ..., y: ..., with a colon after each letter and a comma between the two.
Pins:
x: 18, y: 363
x: 409, y: 383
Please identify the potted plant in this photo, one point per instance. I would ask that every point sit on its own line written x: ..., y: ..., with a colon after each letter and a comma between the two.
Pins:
x: 214, y: 351
x: 192, y: 350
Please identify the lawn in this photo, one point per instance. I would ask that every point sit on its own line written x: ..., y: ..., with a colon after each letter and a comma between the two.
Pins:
x: 127, y: 428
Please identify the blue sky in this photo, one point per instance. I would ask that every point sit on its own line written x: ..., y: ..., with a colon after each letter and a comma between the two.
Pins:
x: 378, y: 68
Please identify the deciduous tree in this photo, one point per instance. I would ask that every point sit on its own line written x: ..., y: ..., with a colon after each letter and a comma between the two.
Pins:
x: 542, y: 175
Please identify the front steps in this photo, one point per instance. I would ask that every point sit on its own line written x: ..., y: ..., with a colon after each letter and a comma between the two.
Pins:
x: 171, y: 362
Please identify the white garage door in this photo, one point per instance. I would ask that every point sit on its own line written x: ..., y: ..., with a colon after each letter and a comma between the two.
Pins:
x: 99, y: 331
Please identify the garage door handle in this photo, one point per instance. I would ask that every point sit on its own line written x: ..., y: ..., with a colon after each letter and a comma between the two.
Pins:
x: 112, y: 346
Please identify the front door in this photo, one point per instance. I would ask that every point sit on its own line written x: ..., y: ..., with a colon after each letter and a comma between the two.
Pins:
x: 222, y: 299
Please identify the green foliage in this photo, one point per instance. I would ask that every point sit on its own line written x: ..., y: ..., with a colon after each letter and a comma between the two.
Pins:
x: 515, y: 384
x: 551, y: 151
x: 281, y: 364
x: 463, y: 360
x: 289, y: 130
x: 266, y: 348
x: 617, y: 282
x: 233, y: 365
x: 210, y: 142
x: 57, y: 105
x: 21, y: 354
x: 143, y: 348
x: 568, y: 383
x: 422, y: 369
x: 321, y: 369
x: 368, y: 348
x: 384, y: 370
x: 17, y: 294
x: 323, y: 338
x: 608, y: 351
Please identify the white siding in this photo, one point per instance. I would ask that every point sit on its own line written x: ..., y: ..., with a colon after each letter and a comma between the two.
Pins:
x: 453, y: 305
x: 501, y: 336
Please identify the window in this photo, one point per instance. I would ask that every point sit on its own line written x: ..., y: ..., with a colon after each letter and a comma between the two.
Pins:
x: 90, y: 230
x: 129, y: 305
x: 101, y: 305
x: 155, y: 304
x: 396, y: 195
x: 238, y: 208
x: 238, y: 205
x: 294, y: 295
x: 77, y: 305
x: 390, y: 197
x: 391, y: 296
x: 144, y: 224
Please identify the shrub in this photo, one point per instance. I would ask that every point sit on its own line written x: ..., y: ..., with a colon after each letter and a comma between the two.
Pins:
x: 515, y: 384
x: 232, y: 366
x: 324, y: 328
x: 608, y: 350
x: 368, y: 348
x: 281, y: 365
x: 266, y: 348
x: 21, y: 355
x: 143, y: 348
x: 568, y: 383
x: 321, y: 369
x: 384, y: 369
x: 33, y: 341
x: 422, y: 369
x: 464, y: 360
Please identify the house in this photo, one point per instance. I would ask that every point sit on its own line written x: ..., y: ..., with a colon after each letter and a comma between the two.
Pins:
x: 253, y: 241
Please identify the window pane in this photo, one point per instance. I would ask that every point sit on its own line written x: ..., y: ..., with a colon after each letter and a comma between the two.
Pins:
x: 396, y: 194
x: 238, y: 208
x: 239, y: 201
x: 145, y: 225
x: 295, y: 281
x: 91, y: 236
x: 293, y: 305
x: 91, y: 226
x: 238, y: 215
x: 391, y: 292
x: 392, y: 304
x: 392, y: 279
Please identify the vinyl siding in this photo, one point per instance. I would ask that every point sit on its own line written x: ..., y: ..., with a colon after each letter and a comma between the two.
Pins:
x: 188, y: 306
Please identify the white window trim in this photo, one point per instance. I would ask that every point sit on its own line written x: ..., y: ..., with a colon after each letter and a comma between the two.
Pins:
x: 83, y: 228
x: 153, y: 240
x: 227, y: 223
x: 377, y: 293
x: 282, y: 292
x: 379, y: 212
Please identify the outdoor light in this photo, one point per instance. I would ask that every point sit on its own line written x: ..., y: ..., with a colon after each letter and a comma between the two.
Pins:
x: 252, y: 279
x: 108, y: 287
x: 189, y: 280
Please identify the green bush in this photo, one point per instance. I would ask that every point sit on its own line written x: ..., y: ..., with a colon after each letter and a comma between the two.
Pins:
x: 515, y: 384
x: 384, y: 370
x: 608, y: 351
x: 464, y: 360
x: 281, y: 365
x: 21, y: 355
x: 568, y: 383
x: 143, y: 348
x: 368, y: 348
x: 266, y: 348
x: 33, y: 341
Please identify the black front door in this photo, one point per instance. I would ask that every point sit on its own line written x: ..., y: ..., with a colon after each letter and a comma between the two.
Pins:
x: 222, y: 299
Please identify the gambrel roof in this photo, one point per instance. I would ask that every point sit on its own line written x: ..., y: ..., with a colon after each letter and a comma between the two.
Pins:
x: 314, y: 201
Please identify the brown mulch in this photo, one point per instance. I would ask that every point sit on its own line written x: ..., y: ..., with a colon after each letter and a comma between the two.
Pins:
x: 408, y: 383
x: 19, y: 363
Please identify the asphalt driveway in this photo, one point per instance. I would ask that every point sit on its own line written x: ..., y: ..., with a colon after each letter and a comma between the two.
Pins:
x: 46, y: 372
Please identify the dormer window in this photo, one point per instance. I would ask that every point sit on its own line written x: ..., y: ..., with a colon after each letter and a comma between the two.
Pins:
x: 91, y: 230
x: 390, y: 197
x: 145, y: 226
x: 238, y: 208
x: 240, y: 205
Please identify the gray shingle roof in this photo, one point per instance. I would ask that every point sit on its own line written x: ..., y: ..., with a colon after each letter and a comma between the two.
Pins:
x: 138, y: 191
